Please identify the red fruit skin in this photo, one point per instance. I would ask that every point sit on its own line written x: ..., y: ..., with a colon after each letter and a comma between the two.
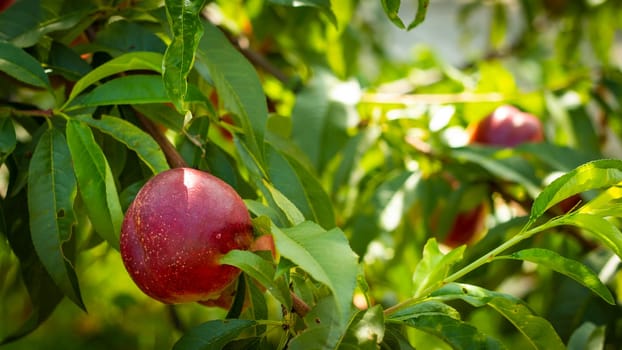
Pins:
x: 178, y: 226
x: 507, y: 126
x: 5, y: 4
x: 466, y: 226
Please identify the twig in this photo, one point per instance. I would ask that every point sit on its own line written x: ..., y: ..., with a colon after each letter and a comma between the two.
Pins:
x: 174, y: 159
x: 299, y: 306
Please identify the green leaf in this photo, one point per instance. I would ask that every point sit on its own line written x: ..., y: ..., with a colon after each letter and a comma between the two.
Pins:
x: 326, y: 256
x: 366, y: 330
x: 571, y: 268
x: 132, y: 89
x: 602, y: 229
x: 391, y: 9
x: 123, y: 36
x: 593, y: 175
x: 186, y: 27
x: 8, y: 139
x: 323, y: 5
x: 43, y: 292
x: 261, y: 270
x: 325, y: 329
x: 212, y: 335
x: 513, y: 168
x: 95, y: 181
x: 422, y: 10
x: 237, y: 84
x: 51, y: 192
x: 587, y: 336
x: 131, y: 136
x: 456, y: 333
x: 21, y: 66
x: 129, y: 61
x: 394, y: 197
x: 427, y: 307
x: 434, y: 266
x: 300, y: 187
x: 538, y: 331
x: 319, y: 122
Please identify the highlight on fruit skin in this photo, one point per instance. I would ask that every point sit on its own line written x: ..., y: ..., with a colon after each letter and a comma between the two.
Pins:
x: 175, y: 231
x: 507, y: 126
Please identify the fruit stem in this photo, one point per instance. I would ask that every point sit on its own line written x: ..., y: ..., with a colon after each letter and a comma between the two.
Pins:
x: 298, y: 305
x: 174, y: 159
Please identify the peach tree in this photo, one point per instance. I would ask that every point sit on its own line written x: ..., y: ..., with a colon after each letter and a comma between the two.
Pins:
x: 355, y: 169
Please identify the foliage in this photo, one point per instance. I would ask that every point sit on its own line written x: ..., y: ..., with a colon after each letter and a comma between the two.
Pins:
x: 356, y: 165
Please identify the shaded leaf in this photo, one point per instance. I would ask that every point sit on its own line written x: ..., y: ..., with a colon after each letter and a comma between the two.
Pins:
x: 422, y: 10
x: 95, y: 181
x: 133, y: 89
x: 323, y: 5
x: 133, y: 137
x: 129, y: 61
x: 458, y: 334
x: 21, y: 66
x: 43, y: 292
x: 183, y: 17
x: 237, y: 84
x: 8, y: 139
x: 391, y: 9
x: 212, y: 335
x: 602, y: 229
x: 571, y: 268
x: 301, y: 187
x: 51, y: 192
x: 366, y: 330
x: 587, y: 336
x: 261, y: 270
x: 426, y: 307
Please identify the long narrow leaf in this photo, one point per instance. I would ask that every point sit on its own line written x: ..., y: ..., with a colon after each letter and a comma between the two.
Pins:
x: 563, y: 265
x: 52, y: 189
x: 538, y: 331
x: 97, y: 186
x: 131, y: 136
x: 238, y: 85
x: 129, y: 61
x: 21, y: 66
x: 593, y: 175
x: 183, y: 17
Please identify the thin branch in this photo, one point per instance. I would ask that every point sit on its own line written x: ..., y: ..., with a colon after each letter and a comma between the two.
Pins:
x: 174, y: 159
x: 299, y: 306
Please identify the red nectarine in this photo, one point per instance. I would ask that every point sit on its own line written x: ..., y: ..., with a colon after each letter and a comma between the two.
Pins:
x: 176, y: 229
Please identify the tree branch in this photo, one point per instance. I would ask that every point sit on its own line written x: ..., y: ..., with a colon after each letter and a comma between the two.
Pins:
x: 174, y: 159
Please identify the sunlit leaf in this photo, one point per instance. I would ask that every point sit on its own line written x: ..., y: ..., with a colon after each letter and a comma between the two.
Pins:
x: 422, y: 10
x: 212, y: 335
x: 95, y: 181
x: 21, y: 66
x: 394, y: 197
x: 593, y: 175
x: 52, y: 190
x: 131, y: 136
x: 434, y: 266
x: 326, y: 256
x: 538, y: 331
x: 391, y: 9
x: 568, y: 267
x: 183, y: 17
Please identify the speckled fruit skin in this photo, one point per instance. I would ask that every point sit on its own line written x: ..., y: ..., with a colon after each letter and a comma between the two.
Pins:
x: 507, y: 126
x: 178, y: 226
